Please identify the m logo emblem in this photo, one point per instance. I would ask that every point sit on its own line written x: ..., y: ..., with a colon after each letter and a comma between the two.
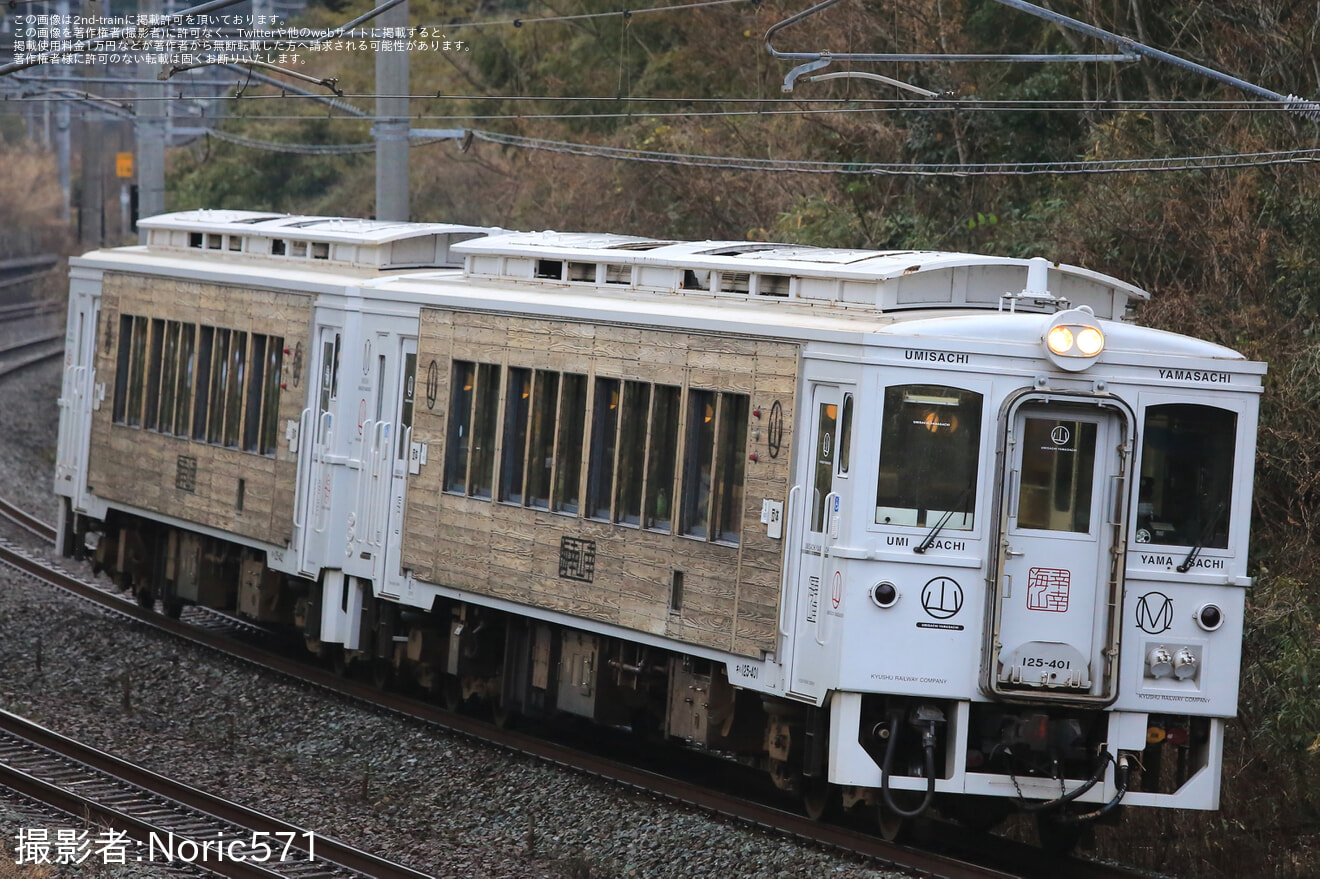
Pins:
x: 1154, y: 613
x: 1060, y: 435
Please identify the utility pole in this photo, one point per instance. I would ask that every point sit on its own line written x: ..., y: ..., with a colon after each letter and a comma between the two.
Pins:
x: 92, y: 147
x: 149, y: 133
x: 63, y: 151
x: 391, y: 128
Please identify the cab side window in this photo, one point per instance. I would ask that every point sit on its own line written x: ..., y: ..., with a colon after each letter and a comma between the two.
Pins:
x: 1186, y: 485
x: 930, y: 450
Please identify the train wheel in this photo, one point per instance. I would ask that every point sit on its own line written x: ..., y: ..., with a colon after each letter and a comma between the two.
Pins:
x: 504, y: 716
x: 339, y: 661
x: 452, y: 691
x: 172, y: 607
x: 889, y: 825
x: 382, y: 674
x: 146, y: 598
x: 820, y: 799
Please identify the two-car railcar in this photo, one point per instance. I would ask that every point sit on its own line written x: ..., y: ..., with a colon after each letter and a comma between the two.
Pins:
x: 897, y: 526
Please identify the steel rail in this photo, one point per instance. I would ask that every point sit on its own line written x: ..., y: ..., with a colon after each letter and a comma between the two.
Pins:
x: 155, y: 804
x: 27, y: 521
x: 28, y: 353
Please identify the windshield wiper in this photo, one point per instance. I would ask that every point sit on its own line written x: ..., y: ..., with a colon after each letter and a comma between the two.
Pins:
x: 944, y: 520
x: 1201, y: 541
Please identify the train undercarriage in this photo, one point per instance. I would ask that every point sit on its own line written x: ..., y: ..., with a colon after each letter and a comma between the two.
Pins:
x: 471, y: 657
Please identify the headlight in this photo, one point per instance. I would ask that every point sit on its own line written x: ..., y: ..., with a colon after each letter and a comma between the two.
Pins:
x: 1060, y: 340
x: 1074, y: 339
x: 1090, y: 341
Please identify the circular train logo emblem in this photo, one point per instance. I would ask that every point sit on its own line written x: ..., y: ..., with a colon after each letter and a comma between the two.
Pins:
x: 774, y: 431
x: 1154, y: 613
x: 1060, y: 435
x: 942, y: 598
x: 432, y: 384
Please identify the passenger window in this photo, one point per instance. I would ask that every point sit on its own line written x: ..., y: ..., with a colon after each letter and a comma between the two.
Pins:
x: 729, y: 464
x: 662, y: 458
x: 569, y: 449
x: 699, y: 461
x: 234, y: 388
x: 406, y: 405
x: 219, y: 381
x: 604, y: 435
x: 183, y: 390
x: 545, y: 399
x: 154, y: 363
x: 845, y: 435
x: 170, y: 367
x: 464, y: 378
x: 270, y: 402
x: 930, y: 445
x: 1058, y: 474
x: 632, y: 452
x: 827, y: 424
x: 137, y: 368
x: 252, y: 405
x: 517, y: 400
x: 713, y: 465
x: 202, y: 408
x: 483, y: 430
x: 122, y: 361
x: 1186, y: 475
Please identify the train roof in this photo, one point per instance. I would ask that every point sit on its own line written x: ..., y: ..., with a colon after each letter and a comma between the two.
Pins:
x: 868, y: 280
x: 873, y: 279
x: 373, y: 244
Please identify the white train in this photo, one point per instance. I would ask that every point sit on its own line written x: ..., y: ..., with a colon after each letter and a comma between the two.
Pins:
x: 902, y: 528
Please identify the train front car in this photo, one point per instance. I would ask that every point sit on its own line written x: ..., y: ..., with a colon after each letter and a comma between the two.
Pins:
x: 1018, y: 548
x: 903, y: 529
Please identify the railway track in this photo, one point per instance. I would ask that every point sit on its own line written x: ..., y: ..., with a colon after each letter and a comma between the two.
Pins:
x: 171, y: 822
x: 29, y: 523
x: 30, y: 352
x: 996, y: 857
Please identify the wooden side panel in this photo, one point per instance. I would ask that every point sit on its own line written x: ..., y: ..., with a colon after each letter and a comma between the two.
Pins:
x: 730, y: 595
x: 176, y: 475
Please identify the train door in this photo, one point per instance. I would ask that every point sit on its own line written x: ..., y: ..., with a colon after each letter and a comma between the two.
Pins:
x: 405, y: 459
x: 76, y: 393
x: 315, y: 446
x: 1054, y: 622
x: 818, y: 578
x: 372, y: 443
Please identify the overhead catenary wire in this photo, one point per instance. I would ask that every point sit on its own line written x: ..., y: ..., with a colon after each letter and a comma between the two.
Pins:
x: 875, y: 105
x: 917, y: 169
x: 744, y: 163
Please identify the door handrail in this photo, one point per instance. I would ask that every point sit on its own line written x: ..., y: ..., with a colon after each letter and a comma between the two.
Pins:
x: 822, y: 631
x: 304, y: 454
x: 792, y: 565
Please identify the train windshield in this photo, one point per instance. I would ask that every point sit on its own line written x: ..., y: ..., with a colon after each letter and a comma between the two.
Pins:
x: 1186, y: 476
x: 930, y: 449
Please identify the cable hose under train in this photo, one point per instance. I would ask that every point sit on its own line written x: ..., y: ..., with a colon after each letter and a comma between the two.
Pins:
x: 1121, y: 774
x: 1096, y: 776
x: 928, y: 742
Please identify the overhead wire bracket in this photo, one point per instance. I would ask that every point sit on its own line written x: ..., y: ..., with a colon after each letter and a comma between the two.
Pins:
x: 818, y: 60
x: 1129, y: 50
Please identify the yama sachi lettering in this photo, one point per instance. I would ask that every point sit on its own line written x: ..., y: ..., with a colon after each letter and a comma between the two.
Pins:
x: 935, y: 356
x: 1196, y: 375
